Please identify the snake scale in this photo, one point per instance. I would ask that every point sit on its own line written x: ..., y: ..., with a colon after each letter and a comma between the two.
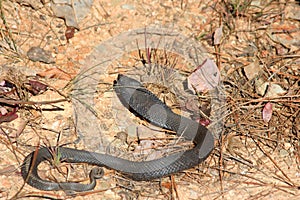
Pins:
x: 147, y: 106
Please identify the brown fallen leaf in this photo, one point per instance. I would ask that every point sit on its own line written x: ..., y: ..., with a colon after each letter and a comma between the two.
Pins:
x: 8, y: 170
x: 36, y: 87
x: 70, y: 32
x: 55, y: 73
x: 9, y: 116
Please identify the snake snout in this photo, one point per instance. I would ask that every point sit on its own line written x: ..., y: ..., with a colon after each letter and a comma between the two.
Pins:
x: 123, y: 80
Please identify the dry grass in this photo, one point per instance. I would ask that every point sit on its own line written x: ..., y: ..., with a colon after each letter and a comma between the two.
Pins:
x: 253, y: 159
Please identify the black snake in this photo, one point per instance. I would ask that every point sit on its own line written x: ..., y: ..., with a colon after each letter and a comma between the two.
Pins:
x: 146, y: 105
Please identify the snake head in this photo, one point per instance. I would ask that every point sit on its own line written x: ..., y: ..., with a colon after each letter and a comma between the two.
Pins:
x: 141, y: 102
x: 125, y: 88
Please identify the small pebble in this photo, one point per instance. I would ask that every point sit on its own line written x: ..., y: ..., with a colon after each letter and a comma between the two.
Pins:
x: 128, y: 7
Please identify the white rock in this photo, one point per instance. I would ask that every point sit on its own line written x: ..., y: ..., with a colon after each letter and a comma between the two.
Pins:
x: 275, y: 90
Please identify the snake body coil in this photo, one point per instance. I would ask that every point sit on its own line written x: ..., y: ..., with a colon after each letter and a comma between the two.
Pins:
x: 146, y: 105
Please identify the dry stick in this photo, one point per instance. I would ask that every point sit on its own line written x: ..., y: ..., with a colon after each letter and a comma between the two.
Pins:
x: 148, y: 50
x: 106, y: 15
x: 218, y: 58
x: 10, y: 143
x: 276, y: 165
x: 16, y: 132
x: 258, y: 182
x: 14, y: 102
x: 44, y: 194
x: 94, y: 191
x: 262, y: 183
x: 221, y: 164
x: 275, y: 71
x: 259, y: 195
x: 174, y: 187
x: 278, y: 187
x: 21, y: 128
x: 274, y: 99
x: 233, y: 187
x: 29, y: 172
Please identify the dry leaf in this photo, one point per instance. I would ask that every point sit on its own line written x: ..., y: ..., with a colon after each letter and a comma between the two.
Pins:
x: 36, y: 87
x: 55, y: 73
x: 205, y: 77
x: 70, y: 32
x: 218, y: 35
x: 267, y: 112
x: 9, y: 116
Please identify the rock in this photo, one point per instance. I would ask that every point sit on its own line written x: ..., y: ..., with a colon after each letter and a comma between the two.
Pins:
x: 275, y: 90
x: 261, y: 86
x: 38, y: 54
x: 252, y: 70
x: 267, y: 89
x: 73, y: 11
